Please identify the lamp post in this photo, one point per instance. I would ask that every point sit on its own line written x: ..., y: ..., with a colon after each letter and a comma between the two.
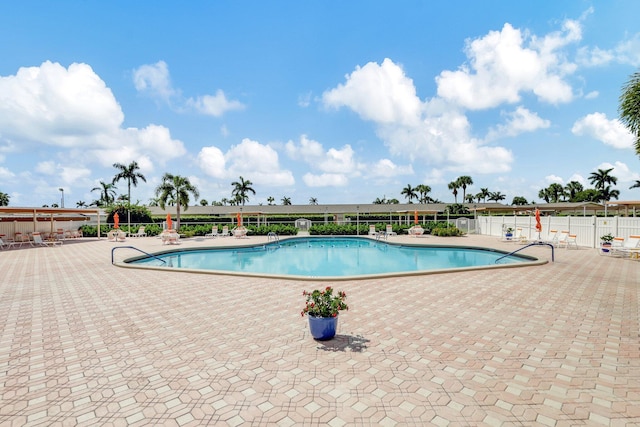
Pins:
x: 62, y: 197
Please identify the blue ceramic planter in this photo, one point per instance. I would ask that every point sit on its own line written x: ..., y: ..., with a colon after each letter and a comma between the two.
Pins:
x: 323, y: 328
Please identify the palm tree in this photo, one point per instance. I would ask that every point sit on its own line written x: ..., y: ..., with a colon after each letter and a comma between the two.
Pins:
x: 629, y: 107
x: 572, y: 188
x: 497, y: 196
x: 544, y: 194
x: 130, y: 174
x: 607, y: 193
x: 601, y: 178
x: 409, y: 192
x: 176, y: 189
x: 636, y: 185
x: 81, y: 204
x: 423, y: 190
x: 4, y: 199
x: 379, y: 201
x: 484, y: 193
x: 107, y: 193
x: 469, y: 198
x: 204, y: 202
x: 313, y: 201
x: 241, y: 188
x: 556, y: 192
x: 464, y: 181
x: 270, y: 200
x: 453, y: 186
x: 286, y: 200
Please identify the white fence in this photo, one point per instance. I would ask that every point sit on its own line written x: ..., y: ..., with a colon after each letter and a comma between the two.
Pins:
x: 588, y: 229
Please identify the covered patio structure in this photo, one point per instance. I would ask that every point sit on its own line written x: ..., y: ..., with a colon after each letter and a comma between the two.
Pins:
x: 27, y: 220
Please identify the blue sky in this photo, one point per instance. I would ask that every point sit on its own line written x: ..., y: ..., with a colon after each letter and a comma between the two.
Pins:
x: 341, y: 101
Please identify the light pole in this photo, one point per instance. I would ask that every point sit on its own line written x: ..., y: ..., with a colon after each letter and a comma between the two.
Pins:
x: 62, y: 197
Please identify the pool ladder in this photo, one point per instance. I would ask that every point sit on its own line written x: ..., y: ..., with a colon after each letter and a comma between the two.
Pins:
x: 139, y: 250
x: 273, y: 236
x: 530, y: 244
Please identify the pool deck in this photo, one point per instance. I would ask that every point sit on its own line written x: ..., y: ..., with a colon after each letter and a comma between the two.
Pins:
x: 83, y: 342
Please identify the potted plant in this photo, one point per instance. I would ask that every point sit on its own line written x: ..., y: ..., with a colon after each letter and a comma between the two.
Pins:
x: 508, y: 233
x: 322, y: 307
x: 605, y: 242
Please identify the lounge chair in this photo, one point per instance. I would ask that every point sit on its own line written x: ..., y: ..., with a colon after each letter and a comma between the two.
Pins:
x: 551, y: 238
x: 567, y: 240
x: 630, y: 247
x: 121, y: 236
x: 416, y: 231
x: 214, y: 232
x: 38, y: 241
x: 560, y: 237
x: 240, y: 232
x: 139, y: 233
x: 170, y: 237
x: 372, y: 230
x: 389, y: 230
x: 225, y: 231
x: 6, y: 245
x: 520, y: 237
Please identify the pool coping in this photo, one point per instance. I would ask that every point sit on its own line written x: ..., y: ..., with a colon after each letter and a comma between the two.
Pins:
x: 126, y: 263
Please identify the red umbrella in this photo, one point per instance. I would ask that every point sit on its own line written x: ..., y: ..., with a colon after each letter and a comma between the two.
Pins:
x: 538, y: 223
x: 415, y: 217
x: 116, y: 220
x: 239, y: 219
x: 169, y: 222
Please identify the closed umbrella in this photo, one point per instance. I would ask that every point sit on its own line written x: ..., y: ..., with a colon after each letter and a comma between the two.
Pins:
x: 538, y: 223
x: 415, y: 217
x: 169, y: 222
x: 116, y: 220
x: 239, y: 219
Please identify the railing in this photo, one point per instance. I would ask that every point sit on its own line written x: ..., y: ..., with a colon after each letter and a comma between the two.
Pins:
x: 273, y: 236
x: 139, y: 250
x: 530, y: 244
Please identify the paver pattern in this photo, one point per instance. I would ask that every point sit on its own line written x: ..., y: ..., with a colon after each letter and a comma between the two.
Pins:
x: 86, y: 343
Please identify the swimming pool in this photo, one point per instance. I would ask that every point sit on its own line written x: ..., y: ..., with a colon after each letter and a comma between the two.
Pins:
x: 331, y: 258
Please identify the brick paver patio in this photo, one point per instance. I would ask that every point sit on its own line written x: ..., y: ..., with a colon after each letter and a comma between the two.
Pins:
x: 83, y: 342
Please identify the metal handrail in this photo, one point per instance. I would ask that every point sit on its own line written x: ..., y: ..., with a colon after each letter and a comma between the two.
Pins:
x: 271, y: 235
x: 530, y: 244
x: 139, y: 250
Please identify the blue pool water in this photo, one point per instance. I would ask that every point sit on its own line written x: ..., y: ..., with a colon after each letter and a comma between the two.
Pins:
x: 330, y: 257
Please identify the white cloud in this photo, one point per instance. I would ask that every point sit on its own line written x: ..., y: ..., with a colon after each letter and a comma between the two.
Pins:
x: 628, y: 51
x: 625, y: 52
x: 610, y: 132
x: 71, y: 175
x: 592, y: 95
x: 433, y: 132
x: 73, y: 109
x: 381, y: 93
x: 502, y: 65
x: 256, y: 162
x: 519, y: 121
x: 551, y: 179
x: 385, y: 168
x: 620, y: 171
x: 211, y: 161
x: 59, y: 106
x: 214, y: 105
x: 154, y: 80
x: 325, y: 180
x: 6, y: 174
